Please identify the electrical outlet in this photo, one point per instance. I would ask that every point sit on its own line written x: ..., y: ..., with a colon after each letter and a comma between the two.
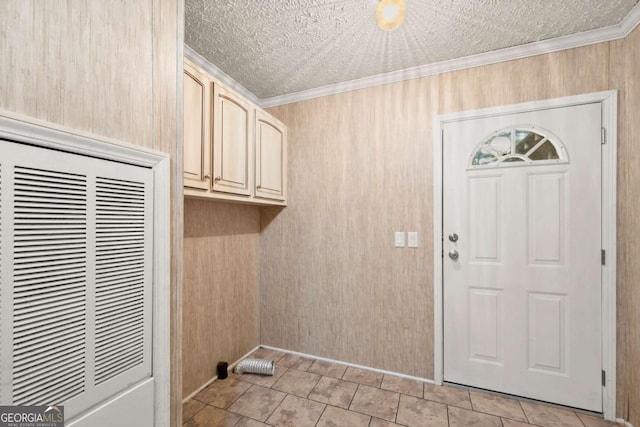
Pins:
x: 399, y: 239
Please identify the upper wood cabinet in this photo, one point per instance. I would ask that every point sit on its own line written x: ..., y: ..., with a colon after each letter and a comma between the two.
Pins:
x: 233, y: 150
x: 197, y: 128
x: 232, y: 142
x: 271, y: 157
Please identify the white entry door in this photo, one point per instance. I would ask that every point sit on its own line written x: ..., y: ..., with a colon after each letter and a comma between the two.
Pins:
x: 522, y: 254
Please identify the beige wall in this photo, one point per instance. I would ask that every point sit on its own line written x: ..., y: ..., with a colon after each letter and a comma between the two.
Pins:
x: 331, y: 283
x: 110, y: 68
x: 360, y: 165
x: 221, y: 315
x: 625, y: 76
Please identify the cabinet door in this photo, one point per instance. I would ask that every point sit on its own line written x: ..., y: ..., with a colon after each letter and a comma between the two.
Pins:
x: 197, y: 125
x: 232, y: 143
x: 271, y: 157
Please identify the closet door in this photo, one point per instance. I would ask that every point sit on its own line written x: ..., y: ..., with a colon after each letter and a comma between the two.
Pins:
x: 75, y: 283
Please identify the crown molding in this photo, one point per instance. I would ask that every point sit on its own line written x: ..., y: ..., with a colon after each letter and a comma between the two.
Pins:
x: 220, y: 75
x: 599, y: 35
x: 631, y: 21
x: 614, y: 32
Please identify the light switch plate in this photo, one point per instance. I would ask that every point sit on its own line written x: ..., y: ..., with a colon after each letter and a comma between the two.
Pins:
x: 412, y: 239
x: 399, y: 239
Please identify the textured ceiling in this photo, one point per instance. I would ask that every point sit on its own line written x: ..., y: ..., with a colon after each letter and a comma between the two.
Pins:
x: 277, y: 47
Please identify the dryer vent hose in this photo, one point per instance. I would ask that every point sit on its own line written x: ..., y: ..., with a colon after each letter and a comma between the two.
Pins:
x: 256, y: 366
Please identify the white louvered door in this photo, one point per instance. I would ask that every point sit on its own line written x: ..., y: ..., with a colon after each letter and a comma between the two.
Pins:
x: 76, y: 277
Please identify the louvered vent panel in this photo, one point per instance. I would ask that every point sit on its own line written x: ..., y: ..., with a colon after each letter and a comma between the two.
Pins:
x: 119, y: 277
x: 50, y: 211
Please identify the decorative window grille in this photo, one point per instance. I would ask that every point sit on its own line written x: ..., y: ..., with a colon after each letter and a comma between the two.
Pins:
x: 518, y: 146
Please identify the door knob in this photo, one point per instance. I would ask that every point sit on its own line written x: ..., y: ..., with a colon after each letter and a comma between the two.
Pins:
x: 453, y: 237
x: 453, y: 254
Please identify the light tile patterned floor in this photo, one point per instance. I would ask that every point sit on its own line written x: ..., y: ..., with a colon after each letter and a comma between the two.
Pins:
x: 311, y: 393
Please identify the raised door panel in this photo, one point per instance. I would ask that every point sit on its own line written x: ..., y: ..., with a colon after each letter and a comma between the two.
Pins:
x: 484, y: 218
x: 485, y: 325
x: 546, y: 218
x: 232, y: 143
x: 197, y: 125
x: 546, y: 338
x: 271, y: 157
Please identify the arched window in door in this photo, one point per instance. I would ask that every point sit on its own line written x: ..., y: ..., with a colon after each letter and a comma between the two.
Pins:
x: 518, y: 146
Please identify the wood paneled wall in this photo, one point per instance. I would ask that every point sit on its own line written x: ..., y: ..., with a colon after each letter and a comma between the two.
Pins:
x: 85, y: 64
x: 112, y: 68
x: 333, y: 285
x: 221, y: 307
x: 625, y: 76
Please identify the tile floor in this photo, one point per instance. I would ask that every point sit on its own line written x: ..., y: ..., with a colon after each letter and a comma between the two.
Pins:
x: 304, y: 393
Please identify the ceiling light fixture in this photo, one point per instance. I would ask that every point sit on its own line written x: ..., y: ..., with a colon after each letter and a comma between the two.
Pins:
x: 390, y: 14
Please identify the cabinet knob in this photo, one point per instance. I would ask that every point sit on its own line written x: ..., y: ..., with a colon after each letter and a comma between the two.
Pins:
x: 258, y: 186
x: 207, y: 176
x: 216, y: 179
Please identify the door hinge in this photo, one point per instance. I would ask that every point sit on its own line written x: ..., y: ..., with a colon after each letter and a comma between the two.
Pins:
x: 603, y: 256
x: 604, y: 378
x: 603, y: 135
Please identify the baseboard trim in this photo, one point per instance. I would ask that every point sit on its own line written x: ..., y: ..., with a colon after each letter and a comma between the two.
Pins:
x: 353, y: 365
x: 208, y: 383
x: 623, y: 422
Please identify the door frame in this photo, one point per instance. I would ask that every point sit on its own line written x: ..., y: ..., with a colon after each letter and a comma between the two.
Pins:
x: 609, y: 102
x: 39, y: 133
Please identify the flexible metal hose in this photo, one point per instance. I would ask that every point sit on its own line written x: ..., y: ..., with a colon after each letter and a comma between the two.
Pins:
x: 256, y: 366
